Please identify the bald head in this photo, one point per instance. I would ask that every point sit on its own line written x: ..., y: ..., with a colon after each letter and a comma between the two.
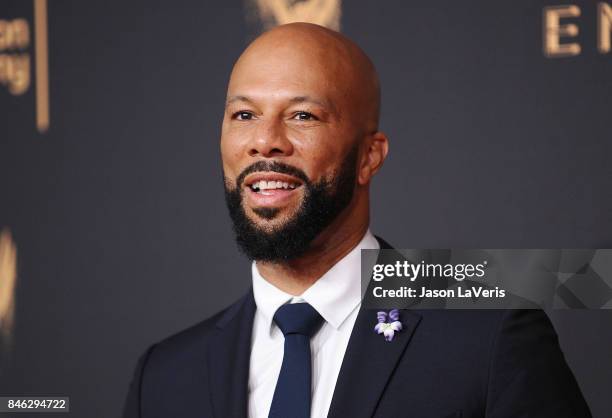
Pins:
x: 300, y: 142
x: 313, y: 53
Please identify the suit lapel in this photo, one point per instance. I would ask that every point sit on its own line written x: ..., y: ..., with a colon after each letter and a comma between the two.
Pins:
x: 229, y: 357
x: 368, y: 363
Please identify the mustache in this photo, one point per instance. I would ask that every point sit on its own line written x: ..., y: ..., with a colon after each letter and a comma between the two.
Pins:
x: 274, y: 166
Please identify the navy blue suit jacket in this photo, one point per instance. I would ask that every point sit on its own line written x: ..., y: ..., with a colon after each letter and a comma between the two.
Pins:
x: 443, y: 364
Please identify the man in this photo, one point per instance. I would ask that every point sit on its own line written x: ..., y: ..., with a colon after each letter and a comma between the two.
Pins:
x: 300, y: 144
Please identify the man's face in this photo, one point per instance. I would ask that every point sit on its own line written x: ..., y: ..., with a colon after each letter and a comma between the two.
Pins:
x: 289, y: 149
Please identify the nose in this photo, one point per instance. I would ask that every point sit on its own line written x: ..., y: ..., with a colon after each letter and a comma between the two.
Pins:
x: 270, y: 140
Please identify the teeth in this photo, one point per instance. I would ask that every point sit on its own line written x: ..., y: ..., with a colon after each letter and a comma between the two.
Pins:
x: 267, y: 185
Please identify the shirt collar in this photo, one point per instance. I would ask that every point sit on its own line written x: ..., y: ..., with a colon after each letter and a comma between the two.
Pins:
x: 334, y: 295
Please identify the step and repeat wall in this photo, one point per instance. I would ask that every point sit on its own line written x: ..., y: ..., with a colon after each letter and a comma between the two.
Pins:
x: 113, y: 227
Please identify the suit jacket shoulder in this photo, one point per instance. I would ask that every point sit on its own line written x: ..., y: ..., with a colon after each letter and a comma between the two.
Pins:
x: 178, y: 365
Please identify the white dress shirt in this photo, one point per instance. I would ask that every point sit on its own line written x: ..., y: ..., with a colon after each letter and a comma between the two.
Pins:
x: 336, y: 296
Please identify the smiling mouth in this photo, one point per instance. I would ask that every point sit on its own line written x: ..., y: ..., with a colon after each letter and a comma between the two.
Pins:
x: 270, y: 183
x: 262, y: 186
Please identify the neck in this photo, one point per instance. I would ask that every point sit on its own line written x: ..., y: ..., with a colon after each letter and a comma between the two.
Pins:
x: 333, y: 244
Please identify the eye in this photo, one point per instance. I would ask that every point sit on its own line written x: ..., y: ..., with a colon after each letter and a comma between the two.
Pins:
x: 242, y: 115
x: 304, y: 116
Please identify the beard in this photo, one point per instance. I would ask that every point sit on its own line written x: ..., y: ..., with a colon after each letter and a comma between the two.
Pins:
x: 321, y: 204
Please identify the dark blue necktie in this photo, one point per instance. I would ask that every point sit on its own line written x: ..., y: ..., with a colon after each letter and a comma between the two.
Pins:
x: 298, y: 322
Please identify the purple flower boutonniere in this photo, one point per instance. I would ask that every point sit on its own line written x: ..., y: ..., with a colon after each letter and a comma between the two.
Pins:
x: 388, y: 329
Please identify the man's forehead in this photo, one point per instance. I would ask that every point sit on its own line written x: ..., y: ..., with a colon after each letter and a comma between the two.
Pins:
x: 285, y: 69
x: 278, y: 71
x: 287, y: 97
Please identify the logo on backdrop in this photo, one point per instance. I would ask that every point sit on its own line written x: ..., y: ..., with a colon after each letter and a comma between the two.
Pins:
x: 561, y: 24
x: 8, y: 279
x: 270, y: 13
x: 15, y: 60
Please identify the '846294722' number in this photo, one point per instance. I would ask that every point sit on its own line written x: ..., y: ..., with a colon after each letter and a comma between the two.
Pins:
x: 36, y: 404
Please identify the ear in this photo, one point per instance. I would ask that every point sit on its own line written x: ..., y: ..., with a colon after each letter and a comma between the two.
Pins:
x: 375, y: 152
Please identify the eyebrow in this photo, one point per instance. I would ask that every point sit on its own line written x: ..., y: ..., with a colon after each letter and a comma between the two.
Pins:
x: 297, y: 99
x: 233, y: 99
